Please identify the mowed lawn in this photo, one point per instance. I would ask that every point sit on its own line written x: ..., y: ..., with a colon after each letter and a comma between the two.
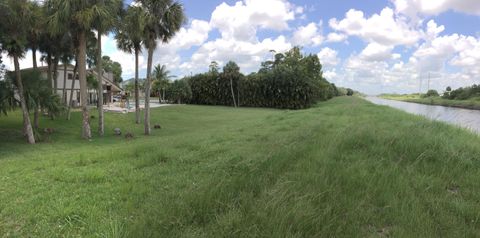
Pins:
x: 345, y: 168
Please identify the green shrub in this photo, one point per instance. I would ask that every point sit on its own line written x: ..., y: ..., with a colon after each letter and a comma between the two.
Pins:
x: 350, y: 92
x: 430, y: 93
x: 292, y: 81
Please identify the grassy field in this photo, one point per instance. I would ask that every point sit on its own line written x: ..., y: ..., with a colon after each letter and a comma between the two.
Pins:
x: 345, y: 168
x: 469, y: 103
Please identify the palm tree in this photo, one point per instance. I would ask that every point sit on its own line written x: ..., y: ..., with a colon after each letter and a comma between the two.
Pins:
x: 231, y: 71
x: 104, y: 23
x: 79, y: 15
x: 130, y: 39
x: 67, y: 55
x: 163, y: 19
x: 36, y: 29
x: 161, y: 75
x: 15, y: 15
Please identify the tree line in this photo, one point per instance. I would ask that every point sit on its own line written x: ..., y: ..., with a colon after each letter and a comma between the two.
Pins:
x: 65, y: 31
x: 291, y: 80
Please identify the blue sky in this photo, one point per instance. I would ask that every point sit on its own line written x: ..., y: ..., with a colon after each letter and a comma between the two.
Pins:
x: 374, y: 46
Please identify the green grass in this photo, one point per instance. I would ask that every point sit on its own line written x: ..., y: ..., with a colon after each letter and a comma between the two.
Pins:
x: 345, y: 168
x: 473, y: 103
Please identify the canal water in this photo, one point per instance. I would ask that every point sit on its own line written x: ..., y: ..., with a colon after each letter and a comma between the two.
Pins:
x: 466, y: 118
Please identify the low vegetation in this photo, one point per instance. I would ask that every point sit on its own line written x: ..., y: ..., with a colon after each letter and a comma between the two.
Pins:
x: 343, y: 168
x: 468, y: 97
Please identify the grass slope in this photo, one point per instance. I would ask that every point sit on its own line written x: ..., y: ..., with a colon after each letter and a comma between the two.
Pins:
x: 346, y: 168
x: 473, y: 103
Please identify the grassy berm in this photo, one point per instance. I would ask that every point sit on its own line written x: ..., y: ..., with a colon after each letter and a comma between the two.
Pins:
x: 345, y: 168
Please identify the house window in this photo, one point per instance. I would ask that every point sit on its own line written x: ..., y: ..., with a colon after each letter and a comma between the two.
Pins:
x: 70, y: 76
x: 77, y: 77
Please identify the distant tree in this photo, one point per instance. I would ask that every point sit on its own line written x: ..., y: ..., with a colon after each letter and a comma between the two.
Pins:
x: 432, y: 93
x: 292, y: 80
x: 179, y: 91
x: 213, y: 67
x: 350, y: 92
x: 113, y: 67
x: 448, y: 89
x: 161, y: 77
x: 231, y: 72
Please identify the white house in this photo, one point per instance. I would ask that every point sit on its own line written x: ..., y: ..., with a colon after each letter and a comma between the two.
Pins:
x: 109, y: 87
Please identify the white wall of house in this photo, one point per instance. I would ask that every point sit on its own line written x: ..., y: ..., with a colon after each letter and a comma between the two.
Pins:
x: 91, y: 93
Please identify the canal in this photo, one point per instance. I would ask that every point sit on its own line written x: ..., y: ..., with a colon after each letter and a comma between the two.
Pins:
x: 466, y: 118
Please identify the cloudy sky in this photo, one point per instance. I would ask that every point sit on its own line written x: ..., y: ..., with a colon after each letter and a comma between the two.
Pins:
x: 373, y: 46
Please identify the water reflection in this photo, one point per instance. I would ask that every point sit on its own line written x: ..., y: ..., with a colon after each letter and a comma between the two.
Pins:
x: 462, y: 117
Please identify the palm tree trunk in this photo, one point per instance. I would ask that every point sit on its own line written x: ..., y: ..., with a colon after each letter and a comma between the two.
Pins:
x: 64, y: 99
x: 55, y: 81
x: 36, y: 108
x: 233, y: 94
x: 147, y: 90
x: 36, y: 117
x: 137, y: 100
x: 34, y: 57
x: 49, y: 71
x: 72, y: 88
x: 82, y: 73
x: 55, y: 74
x: 27, y: 126
x: 101, y: 129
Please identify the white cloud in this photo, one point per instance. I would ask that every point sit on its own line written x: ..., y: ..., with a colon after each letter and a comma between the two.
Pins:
x: 377, y: 52
x: 247, y: 55
x: 330, y: 74
x: 336, y: 37
x: 385, y: 28
x: 242, y: 20
x: 328, y: 57
x: 195, y: 35
x: 308, y: 35
x: 413, y: 8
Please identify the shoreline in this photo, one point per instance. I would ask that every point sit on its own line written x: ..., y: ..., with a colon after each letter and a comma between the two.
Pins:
x: 464, y: 104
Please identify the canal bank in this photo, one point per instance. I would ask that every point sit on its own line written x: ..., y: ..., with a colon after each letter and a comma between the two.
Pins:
x: 466, y: 118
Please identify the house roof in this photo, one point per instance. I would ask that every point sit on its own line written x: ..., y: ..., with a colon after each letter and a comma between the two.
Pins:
x: 106, y: 81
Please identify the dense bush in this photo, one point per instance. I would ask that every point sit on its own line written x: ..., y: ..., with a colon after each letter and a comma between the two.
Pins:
x: 463, y: 93
x: 430, y: 93
x: 350, y: 92
x: 178, y: 91
x: 291, y: 80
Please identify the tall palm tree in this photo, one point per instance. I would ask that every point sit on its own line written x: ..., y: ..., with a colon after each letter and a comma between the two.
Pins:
x: 79, y: 15
x: 163, y: 20
x: 104, y: 23
x: 162, y: 75
x: 66, y: 56
x: 14, y: 27
x: 130, y: 39
x: 231, y: 71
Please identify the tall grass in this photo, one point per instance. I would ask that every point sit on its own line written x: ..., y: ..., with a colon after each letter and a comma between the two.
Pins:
x: 345, y: 168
